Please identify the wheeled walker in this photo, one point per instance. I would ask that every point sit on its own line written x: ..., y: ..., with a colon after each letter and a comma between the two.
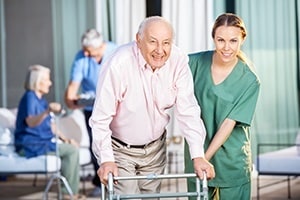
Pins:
x: 201, y: 189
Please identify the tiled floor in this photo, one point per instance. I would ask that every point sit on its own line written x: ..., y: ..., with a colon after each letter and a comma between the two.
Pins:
x: 20, y: 188
x: 278, y: 191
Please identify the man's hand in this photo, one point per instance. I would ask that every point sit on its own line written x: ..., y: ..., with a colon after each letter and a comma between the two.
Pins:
x: 105, y: 169
x: 202, y: 165
x: 71, y: 95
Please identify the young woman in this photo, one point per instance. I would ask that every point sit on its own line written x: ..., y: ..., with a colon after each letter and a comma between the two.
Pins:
x: 226, y: 89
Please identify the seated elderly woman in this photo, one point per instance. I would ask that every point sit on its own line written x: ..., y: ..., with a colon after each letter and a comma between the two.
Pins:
x: 34, y: 125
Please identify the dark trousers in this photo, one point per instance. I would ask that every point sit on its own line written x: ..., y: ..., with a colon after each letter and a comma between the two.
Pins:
x: 96, y: 180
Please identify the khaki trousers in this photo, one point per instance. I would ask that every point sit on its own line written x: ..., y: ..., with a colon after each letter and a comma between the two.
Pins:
x: 140, y: 161
x: 69, y: 155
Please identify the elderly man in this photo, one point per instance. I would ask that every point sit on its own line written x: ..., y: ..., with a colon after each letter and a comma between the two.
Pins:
x: 137, y: 85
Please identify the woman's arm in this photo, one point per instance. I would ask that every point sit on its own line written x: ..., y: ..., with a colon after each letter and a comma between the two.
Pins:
x: 33, y: 121
x: 220, y: 138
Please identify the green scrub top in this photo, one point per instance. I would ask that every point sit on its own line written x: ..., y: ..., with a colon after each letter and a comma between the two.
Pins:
x: 234, y: 98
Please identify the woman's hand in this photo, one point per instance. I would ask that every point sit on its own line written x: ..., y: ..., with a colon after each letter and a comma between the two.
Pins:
x: 55, y: 107
x: 73, y: 142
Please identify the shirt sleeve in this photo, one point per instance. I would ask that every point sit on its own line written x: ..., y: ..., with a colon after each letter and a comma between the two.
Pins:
x: 77, y: 67
x: 244, y: 109
x: 104, y: 109
x: 187, y: 111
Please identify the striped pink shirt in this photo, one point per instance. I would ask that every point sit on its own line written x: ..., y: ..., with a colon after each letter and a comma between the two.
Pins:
x: 132, y: 102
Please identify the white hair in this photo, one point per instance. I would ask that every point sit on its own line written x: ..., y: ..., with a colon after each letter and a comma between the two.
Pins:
x: 34, y: 76
x: 151, y: 19
x: 91, y: 38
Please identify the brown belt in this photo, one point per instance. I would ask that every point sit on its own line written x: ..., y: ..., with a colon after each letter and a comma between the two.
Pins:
x: 138, y: 146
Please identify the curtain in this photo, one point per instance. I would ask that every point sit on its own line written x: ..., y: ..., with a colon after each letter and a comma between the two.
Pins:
x: 70, y: 19
x: 192, y: 21
x: 272, y: 46
x: 119, y: 19
x: 3, y: 86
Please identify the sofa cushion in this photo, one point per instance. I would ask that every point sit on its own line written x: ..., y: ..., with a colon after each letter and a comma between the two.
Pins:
x: 7, y: 147
x: 7, y: 127
x: 18, y: 164
x: 7, y: 118
x: 283, y: 161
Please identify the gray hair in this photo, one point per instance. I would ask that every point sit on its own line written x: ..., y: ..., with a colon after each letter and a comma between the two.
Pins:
x: 34, y: 76
x: 91, y: 38
x: 151, y: 19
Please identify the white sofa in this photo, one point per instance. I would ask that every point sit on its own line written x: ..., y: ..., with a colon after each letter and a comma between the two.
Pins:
x: 282, y: 162
x: 11, y: 163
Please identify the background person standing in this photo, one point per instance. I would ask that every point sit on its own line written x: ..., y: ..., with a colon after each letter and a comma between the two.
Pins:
x: 81, y: 89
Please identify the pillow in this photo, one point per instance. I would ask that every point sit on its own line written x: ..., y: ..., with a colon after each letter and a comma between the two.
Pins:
x: 7, y: 118
x: 7, y: 147
x: 298, y: 143
x: 69, y: 127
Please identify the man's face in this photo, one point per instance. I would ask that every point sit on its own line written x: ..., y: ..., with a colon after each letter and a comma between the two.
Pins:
x: 94, y: 52
x: 155, y: 43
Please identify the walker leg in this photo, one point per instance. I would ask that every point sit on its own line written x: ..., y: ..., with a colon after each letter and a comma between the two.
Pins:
x: 65, y: 182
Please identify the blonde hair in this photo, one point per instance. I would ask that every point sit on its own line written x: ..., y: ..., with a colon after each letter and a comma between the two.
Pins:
x: 230, y: 19
x: 34, y: 76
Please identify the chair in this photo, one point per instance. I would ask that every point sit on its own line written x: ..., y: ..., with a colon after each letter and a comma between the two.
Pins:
x: 282, y: 162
